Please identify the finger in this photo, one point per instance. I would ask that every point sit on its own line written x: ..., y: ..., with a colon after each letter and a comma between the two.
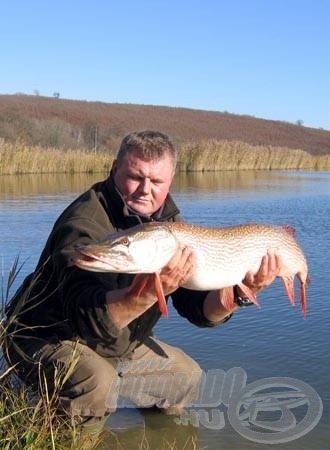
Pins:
x: 187, y: 255
x: 249, y: 278
x: 279, y: 262
x: 180, y: 259
x: 271, y: 262
x: 263, y: 269
x: 174, y: 261
x: 188, y: 270
x: 275, y: 263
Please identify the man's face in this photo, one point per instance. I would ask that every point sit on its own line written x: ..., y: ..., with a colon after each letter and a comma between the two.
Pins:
x: 144, y: 184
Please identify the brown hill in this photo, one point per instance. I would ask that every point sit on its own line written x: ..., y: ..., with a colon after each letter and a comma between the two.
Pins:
x: 73, y: 123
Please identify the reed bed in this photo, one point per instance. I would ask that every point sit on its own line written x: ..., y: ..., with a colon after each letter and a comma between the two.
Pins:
x: 207, y: 155
x: 214, y: 155
x: 20, y: 159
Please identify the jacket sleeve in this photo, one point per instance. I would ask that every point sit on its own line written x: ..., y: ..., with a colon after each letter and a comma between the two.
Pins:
x: 83, y: 293
x: 84, y: 304
x: 189, y: 304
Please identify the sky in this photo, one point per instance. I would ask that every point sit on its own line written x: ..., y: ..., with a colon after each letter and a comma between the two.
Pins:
x: 264, y: 58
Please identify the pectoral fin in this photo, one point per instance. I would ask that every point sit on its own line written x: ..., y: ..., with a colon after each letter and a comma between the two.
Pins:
x: 140, y: 284
x: 303, y: 300
x: 226, y: 297
x: 249, y: 294
x: 289, y: 287
x: 160, y: 295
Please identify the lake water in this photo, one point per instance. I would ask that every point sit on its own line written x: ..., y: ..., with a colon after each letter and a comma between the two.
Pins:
x: 271, y: 342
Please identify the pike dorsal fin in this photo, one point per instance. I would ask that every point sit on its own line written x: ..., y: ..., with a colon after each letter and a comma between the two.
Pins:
x: 289, y: 229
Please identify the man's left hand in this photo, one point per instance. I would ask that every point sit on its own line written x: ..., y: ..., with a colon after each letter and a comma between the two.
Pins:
x: 270, y: 267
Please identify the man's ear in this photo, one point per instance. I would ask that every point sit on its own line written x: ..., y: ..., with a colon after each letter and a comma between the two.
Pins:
x: 114, y: 166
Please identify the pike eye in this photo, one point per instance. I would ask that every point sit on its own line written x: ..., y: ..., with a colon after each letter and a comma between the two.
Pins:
x: 124, y: 241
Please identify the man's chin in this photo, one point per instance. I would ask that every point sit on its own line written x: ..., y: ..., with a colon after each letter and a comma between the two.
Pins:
x: 143, y: 208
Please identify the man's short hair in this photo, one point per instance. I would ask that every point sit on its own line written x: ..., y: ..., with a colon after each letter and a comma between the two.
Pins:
x: 152, y: 145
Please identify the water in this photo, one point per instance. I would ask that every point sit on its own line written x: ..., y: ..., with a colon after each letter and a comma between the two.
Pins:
x: 271, y: 342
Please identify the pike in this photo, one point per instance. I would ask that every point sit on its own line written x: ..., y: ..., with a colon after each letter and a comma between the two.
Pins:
x: 223, y: 256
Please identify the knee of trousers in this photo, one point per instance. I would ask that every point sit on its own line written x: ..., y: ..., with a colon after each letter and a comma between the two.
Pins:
x: 189, y: 366
x: 192, y: 379
x: 186, y: 382
x: 91, y: 390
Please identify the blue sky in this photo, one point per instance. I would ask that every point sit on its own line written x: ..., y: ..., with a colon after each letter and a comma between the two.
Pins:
x: 269, y: 58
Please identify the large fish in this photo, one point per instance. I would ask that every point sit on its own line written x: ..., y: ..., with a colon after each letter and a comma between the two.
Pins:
x: 223, y: 256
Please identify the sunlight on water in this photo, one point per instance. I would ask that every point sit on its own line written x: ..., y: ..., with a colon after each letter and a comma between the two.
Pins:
x: 271, y: 342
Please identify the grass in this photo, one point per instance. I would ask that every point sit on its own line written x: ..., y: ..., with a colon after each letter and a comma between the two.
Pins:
x: 213, y: 155
x: 18, y: 159
x: 28, y: 418
x: 207, y: 155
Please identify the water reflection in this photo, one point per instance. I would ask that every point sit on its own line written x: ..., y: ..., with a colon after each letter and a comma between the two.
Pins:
x: 149, y: 429
x: 30, y: 184
x: 34, y: 185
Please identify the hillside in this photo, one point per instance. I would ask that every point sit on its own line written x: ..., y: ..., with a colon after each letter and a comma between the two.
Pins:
x: 71, y: 123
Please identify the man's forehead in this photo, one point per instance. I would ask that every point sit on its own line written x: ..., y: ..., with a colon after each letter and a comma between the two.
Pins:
x: 136, y: 158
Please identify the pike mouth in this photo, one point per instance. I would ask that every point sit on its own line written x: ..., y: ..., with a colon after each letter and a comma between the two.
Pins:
x: 88, y: 261
x: 93, y: 263
x: 85, y: 258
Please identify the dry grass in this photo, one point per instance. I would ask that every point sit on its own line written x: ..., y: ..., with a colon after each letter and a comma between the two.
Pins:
x: 208, y: 155
x: 18, y: 159
x: 213, y: 155
x: 28, y: 418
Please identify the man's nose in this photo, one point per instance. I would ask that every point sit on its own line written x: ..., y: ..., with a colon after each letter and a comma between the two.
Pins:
x: 145, y: 185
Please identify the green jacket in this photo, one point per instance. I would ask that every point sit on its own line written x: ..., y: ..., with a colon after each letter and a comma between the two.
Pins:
x: 61, y: 301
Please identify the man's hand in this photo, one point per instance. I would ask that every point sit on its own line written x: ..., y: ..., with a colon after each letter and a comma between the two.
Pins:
x: 126, y: 304
x: 270, y: 267
x: 178, y: 270
x: 175, y: 274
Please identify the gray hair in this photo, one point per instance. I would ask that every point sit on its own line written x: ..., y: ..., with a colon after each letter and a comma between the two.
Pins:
x: 152, y: 145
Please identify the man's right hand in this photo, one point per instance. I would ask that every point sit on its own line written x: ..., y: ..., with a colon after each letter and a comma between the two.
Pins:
x: 178, y: 270
x: 127, y: 304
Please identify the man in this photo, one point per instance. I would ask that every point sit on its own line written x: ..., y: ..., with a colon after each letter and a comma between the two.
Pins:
x: 60, y: 309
